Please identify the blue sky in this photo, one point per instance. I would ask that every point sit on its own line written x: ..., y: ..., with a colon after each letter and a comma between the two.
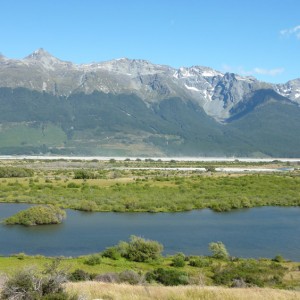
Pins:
x: 257, y: 37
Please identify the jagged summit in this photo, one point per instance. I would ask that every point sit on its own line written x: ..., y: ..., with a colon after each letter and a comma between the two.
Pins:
x: 139, y: 107
x: 39, y: 54
x: 216, y: 92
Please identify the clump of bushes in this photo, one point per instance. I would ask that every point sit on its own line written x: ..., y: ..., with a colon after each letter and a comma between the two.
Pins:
x: 86, y: 205
x: 9, y: 172
x: 137, y: 249
x: 140, y: 250
x: 73, y: 185
x: 168, y: 277
x: 128, y: 276
x: 178, y: 260
x: 84, y: 174
x: 249, y: 272
x: 93, y: 260
x: 199, y: 262
x: 79, y: 275
x: 112, y: 253
x: 37, y: 215
x: 31, y: 284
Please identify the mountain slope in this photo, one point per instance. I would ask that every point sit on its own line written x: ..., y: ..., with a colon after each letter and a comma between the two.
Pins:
x: 132, y: 107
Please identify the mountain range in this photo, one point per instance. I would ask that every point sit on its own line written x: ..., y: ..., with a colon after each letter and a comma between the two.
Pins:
x: 132, y: 107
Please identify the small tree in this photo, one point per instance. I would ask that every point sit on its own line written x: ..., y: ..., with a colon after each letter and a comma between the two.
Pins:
x: 218, y: 250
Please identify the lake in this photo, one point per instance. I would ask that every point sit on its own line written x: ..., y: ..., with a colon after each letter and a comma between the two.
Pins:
x: 255, y: 232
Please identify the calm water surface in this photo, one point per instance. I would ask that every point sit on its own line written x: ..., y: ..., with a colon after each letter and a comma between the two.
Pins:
x: 255, y: 232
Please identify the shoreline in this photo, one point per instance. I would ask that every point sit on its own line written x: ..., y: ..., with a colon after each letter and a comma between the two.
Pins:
x: 123, y: 158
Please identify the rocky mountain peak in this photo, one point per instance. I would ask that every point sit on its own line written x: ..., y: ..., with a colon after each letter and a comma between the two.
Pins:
x: 132, y: 67
x: 2, y: 57
x: 196, y: 71
x: 43, y: 58
x: 216, y: 92
x: 39, y: 54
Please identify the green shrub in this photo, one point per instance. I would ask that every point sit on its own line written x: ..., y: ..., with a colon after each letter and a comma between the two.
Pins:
x: 83, y: 174
x: 200, y: 262
x: 37, y: 215
x: 278, y: 258
x: 168, y: 277
x: 8, y: 172
x: 31, y: 284
x: 178, y: 260
x: 86, y: 205
x: 131, y: 277
x: 73, y: 185
x: 141, y: 250
x: 218, y: 250
x: 79, y: 275
x: 111, y: 252
x: 93, y: 260
x: 250, y: 271
x: 20, y: 256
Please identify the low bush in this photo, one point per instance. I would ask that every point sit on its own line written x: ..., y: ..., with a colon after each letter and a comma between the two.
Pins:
x: 79, y: 275
x: 112, y: 253
x: 199, y: 262
x: 178, y: 260
x: 32, y: 284
x: 131, y: 277
x: 141, y: 250
x: 251, y: 272
x: 84, y: 174
x: 73, y: 185
x: 108, y: 277
x: 278, y: 258
x: 168, y: 277
x: 87, y: 206
x: 93, y: 260
x: 9, y: 172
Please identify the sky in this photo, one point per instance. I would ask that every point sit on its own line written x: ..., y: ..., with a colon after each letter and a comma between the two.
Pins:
x: 260, y: 38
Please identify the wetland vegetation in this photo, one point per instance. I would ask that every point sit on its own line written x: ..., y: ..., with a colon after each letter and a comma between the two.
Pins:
x: 128, y: 186
x: 37, y: 215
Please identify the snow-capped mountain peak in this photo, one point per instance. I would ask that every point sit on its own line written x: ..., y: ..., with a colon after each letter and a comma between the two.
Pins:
x: 216, y: 92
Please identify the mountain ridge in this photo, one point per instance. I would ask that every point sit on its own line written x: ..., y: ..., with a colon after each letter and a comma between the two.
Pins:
x: 214, y: 91
x: 129, y: 107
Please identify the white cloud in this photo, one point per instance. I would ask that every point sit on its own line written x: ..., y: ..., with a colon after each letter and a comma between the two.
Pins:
x: 291, y: 31
x: 271, y: 72
x: 241, y: 70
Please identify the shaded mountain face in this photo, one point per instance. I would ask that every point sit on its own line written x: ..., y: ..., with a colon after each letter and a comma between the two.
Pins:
x: 134, y: 107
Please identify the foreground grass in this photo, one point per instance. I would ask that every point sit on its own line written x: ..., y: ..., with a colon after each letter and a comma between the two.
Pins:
x: 96, y: 290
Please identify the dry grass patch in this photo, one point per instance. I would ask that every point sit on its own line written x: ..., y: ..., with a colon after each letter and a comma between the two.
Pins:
x: 108, y: 291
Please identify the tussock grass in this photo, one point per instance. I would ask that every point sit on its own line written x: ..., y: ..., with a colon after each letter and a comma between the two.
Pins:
x: 95, y: 290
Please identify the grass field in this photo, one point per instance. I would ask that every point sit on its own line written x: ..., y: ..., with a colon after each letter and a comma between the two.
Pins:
x: 96, y: 290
